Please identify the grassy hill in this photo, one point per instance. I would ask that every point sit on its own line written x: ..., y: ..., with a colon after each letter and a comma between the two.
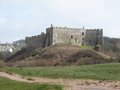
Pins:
x: 57, y: 55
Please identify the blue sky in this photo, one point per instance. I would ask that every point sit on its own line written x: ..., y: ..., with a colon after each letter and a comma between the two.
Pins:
x: 21, y: 18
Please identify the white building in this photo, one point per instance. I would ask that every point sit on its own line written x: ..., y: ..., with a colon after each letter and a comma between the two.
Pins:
x: 6, y: 48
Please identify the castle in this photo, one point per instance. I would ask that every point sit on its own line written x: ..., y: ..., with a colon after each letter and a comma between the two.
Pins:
x: 65, y: 35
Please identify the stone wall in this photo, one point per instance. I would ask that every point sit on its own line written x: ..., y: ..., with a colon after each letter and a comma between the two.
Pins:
x: 36, y: 41
x: 64, y: 35
x: 94, y: 37
x: 74, y: 36
x: 49, y: 36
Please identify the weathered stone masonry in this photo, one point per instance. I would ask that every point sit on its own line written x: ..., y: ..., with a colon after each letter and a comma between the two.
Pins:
x: 36, y: 41
x: 64, y: 35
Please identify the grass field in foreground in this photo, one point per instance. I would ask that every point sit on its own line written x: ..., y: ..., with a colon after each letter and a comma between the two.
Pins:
x: 97, y: 72
x: 7, y: 84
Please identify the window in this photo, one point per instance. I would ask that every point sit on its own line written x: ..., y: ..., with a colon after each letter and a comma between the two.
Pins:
x: 82, y: 38
x: 82, y: 44
x: 71, y: 36
x: 82, y: 33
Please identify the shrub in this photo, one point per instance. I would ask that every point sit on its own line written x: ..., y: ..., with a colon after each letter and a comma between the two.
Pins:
x: 2, y: 64
x: 30, y: 63
x: 97, y: 48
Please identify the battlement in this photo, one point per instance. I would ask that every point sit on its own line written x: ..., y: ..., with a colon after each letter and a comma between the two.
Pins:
x: 37, y: 36
x: 95, y: 29
x: 66, y: 28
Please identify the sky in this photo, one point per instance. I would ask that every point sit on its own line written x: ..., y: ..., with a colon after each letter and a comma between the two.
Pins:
x: 21, y: 18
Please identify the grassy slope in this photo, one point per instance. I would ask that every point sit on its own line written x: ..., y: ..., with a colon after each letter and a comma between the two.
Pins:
x: 6, y: 84
x: 58, y: 55
x: 99, y: 72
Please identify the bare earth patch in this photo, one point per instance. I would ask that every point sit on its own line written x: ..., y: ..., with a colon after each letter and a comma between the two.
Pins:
x: 69, y: 84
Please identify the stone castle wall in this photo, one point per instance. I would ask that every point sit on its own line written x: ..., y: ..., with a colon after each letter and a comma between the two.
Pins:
x: 94, y: 37
x: 64, y: 35
x: 74, y: 36
x: 36, y: 41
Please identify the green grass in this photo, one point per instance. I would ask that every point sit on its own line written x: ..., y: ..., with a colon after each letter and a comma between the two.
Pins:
x: 7, y: 84
x: 97, y: 72
x: 86, y: 47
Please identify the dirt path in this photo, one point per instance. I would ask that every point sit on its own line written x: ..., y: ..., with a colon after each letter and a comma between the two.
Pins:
x: 104, y: 55
x: 69, y: 84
